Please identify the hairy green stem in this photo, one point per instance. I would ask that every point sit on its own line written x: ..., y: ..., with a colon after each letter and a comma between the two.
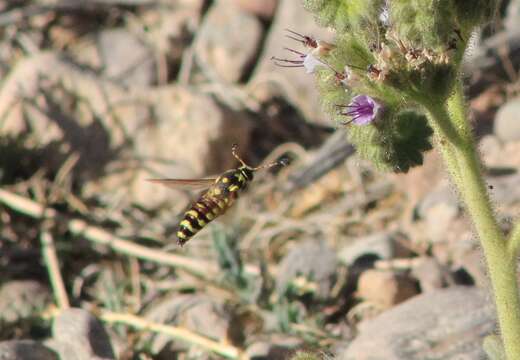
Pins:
x: 514, y: 240
x: 461, y: 159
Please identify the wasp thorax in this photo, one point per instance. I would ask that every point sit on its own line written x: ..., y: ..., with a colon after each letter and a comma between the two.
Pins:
x: 247, y: 173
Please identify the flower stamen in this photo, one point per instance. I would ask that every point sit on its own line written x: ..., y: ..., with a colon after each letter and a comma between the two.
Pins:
x: 305, y: 40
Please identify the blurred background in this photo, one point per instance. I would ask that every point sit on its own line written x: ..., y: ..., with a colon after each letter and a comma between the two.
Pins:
x: 325, y: 255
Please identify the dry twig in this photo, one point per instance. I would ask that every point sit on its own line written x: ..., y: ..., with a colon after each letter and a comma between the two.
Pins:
x: 175, y: 332
x: 53, y: 268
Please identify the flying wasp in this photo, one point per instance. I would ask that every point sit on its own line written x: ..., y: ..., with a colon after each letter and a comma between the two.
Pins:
x: 220, y: 194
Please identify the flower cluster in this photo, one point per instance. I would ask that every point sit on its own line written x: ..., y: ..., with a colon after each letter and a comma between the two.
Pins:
x: 363, y: 109
x: 376, y: 78
x: 390, y: 60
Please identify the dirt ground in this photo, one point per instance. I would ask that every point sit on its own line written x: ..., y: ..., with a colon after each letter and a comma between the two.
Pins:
x: 321, y: 255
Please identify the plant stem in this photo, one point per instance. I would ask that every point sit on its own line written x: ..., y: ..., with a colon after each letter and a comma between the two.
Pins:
x: 514, y: 240
x: 461, y: 159
x: 53, y: 268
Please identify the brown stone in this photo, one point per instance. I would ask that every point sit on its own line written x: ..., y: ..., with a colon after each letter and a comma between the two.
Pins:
x: 385, y: 288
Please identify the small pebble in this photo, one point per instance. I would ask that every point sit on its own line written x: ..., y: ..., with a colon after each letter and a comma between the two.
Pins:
x: 507, y: 124
x: 385, y: 288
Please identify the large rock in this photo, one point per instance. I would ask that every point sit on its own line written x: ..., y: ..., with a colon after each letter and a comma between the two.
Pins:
x: 22, y: 299
x: 68, y: 109
x: 77, y: 334
x: 125, y: 58
x: 446, y: 324
x: 25, y: 350
x: 228, y: 40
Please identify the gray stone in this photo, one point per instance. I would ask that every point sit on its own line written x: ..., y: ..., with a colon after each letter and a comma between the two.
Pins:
x: 505, y: 189
x: 490, y: 147
x: 446, y: 324
x: 77, y: 334
x: 311, y: 264
x: 378, y: 244
x: 474, y: 264
x: 429, y: 273
x: 442, y: 194
x: 125, y: 58
x: 439, y: 209
x: 507, y: 121
x: 441, y: 213
x: 512, y: 15
x: 20, y: 299
x: 227, y: 41
x: 25, y: 350
x: 295, y: 85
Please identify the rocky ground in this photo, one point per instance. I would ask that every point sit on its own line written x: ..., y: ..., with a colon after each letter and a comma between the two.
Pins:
x: 324, y: 255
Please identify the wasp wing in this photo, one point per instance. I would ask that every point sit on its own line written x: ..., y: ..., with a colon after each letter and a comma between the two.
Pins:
x: 191, y: 184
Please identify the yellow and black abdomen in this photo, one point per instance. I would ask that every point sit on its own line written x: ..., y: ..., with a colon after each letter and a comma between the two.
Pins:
x: 214, y: 202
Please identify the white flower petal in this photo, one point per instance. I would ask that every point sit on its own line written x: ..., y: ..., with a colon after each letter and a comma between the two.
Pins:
x: 310, y: 62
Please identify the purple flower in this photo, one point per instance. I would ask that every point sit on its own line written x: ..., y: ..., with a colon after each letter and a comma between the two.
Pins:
x: 362, y: 110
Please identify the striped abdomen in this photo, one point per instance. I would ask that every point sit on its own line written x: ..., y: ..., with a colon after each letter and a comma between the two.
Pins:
x: 213, y: 203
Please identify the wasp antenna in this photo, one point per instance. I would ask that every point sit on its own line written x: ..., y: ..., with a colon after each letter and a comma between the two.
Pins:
x: 281, y: 162
x: 234, y: 150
